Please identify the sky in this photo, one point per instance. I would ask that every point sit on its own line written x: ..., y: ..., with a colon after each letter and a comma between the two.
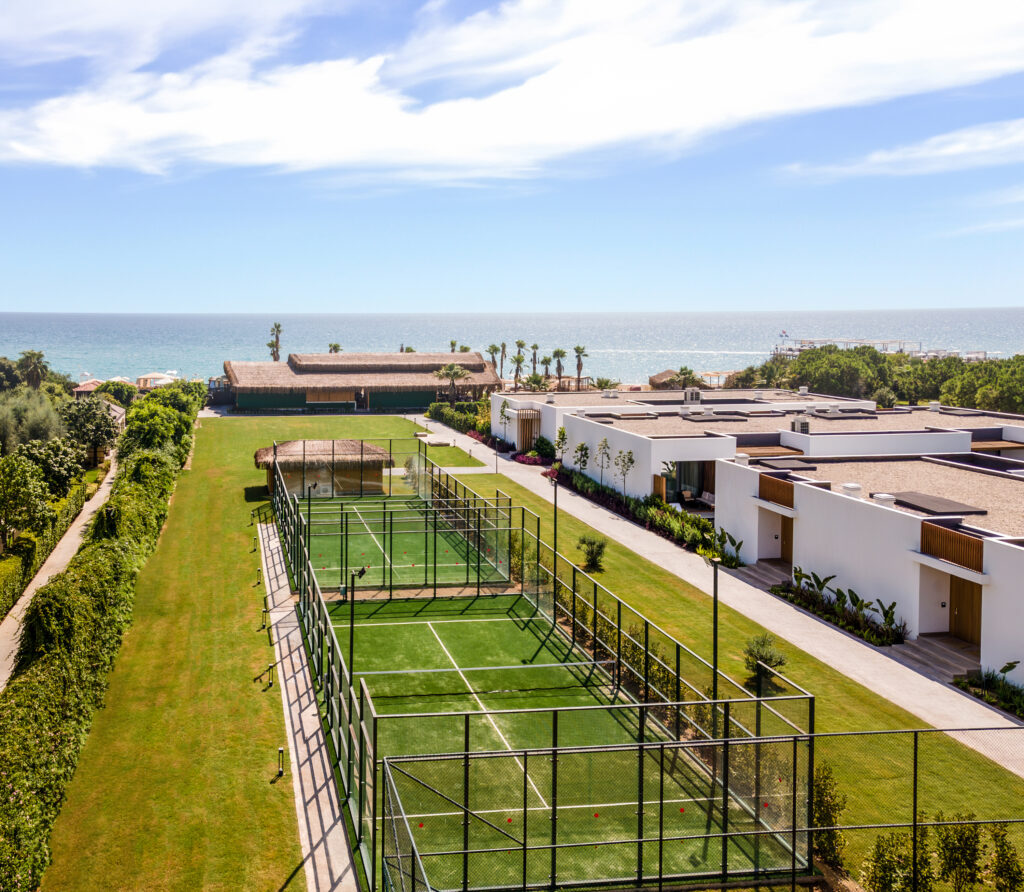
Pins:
x: 380, y: 156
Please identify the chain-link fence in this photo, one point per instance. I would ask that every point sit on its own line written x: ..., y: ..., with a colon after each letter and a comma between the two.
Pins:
x: 901, y: 811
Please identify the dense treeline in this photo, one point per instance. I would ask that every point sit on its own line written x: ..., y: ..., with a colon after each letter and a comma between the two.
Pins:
x: 73, y: 629
x: 992, y: 384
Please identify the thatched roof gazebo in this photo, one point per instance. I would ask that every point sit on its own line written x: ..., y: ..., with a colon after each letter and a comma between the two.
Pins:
x: 660, y: 381
x: 336, y: 466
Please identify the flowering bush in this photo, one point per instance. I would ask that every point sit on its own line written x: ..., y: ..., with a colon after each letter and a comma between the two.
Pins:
x: 530, y: 458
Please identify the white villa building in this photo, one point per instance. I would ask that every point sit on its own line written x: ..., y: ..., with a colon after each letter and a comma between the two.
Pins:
x: 923, y: 506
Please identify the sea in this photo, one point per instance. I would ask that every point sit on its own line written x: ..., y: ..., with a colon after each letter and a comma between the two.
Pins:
x: 628, y: 347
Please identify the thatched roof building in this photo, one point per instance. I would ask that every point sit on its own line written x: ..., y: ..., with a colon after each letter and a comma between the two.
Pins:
x: 355, y: 380
x: 295, y: 453
x: 335, y: 466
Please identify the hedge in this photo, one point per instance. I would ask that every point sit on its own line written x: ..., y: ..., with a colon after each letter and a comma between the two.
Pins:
x: 27, y: 553
x: 71, y: 635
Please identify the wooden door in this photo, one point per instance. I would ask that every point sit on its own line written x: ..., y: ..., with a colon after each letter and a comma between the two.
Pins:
x: 786, y: 546
x: 965, y: 609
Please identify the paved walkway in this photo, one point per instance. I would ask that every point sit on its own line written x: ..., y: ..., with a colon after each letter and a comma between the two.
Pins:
x: 937, y: 704
x: 326, y: 855
x: 10, y: 628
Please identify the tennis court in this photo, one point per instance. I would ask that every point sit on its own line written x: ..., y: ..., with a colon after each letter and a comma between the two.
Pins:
x: 496, y: 678
x: 406, y: 542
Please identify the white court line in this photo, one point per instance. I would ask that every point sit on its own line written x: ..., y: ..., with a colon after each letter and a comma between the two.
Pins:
x: 427, y: 622
x: 490, y: 718
x: 383, y: 551
x: 561, y: 808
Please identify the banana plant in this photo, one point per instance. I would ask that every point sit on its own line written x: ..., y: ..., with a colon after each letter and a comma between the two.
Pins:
x: 840, y: 601
x: 859, y: 604
x: 821, y: 583
x: 799, y: 577
x: 887, y: 612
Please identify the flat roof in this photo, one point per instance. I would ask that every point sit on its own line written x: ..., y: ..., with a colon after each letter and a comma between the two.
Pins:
x: 675, y: 425
x: 635, y: 398
x: 1000, y: 496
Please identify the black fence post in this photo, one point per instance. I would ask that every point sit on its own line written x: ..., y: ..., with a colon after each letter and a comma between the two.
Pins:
x: 554, y: 798
x: 526, y: 812
x: 913, y: 843
x: 810, y: 781
x: 647, y: 661
x: 618, y: 643
x: 465, y: 807
x: 678, y: 692
x: 661, y: 816
x: 725, y: 795
x: 796, y: 757
x: 639, y: 813
x: 757, y: 778
x: 479, y: 548
x: 595, y: 622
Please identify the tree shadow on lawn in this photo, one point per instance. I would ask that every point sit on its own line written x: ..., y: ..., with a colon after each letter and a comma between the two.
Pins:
x: 257, y: 493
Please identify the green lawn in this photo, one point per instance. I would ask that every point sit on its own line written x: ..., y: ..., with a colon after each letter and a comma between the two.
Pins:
x: 874, y: 772
x: 452, y: 457
x: 173, y: 790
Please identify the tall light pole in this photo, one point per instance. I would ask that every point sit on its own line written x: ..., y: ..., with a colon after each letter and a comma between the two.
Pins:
x: 309, y: 517
x: 554, y: 573
x: 714, y: 563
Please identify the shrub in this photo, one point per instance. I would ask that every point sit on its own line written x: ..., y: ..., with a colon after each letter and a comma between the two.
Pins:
x: 1004, y: 867
x: 544, y: 448
x: 71, y: 635
x: 828, y: 805
x: 761, y: 649
x: 960, y: 849
x: 593, y: 548
x: 890, y: 866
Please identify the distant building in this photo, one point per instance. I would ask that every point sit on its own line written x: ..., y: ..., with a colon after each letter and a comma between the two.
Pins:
x: 152, y: 380
x: 354, y: 381
x: 86, y: 388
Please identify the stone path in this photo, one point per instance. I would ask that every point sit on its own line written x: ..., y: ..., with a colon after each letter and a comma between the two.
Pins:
x: 937, y: 704
x: 326, y: 854
x: 10, y: 628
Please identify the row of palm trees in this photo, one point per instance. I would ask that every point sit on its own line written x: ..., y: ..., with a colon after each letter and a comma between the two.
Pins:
x: 519, y: 360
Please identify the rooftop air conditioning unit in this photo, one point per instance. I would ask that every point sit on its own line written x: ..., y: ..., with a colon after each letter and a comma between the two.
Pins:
x: 884, y: 498
x: 742, y: 459
x: 684, y: 411
x: 758, y: 394
x: 550, y: 399
x: 934, y: 406
x: 610, y: 394
x: 850, y: 489
x: 803, y: 391
x: 697, y: 410
x: 691, y: 395
x: 800, y: 426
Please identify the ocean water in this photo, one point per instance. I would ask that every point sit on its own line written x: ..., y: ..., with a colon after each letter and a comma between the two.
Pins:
x: 626, y: 346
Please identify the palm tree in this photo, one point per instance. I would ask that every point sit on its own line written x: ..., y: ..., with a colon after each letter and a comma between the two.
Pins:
x: 545, y: 362
x: 559, y: 355
x: 517, y: 366
x: 580, y: 353
x: 451, y: 373
x: 685, y: 377
x: 275, y: 342
x: 333, y: 348
x: 520, y: 347
x: 534, y: 348
x: 33, y: 367
x: 493, y: 352
x: 453, y: 345
x: 501, y: 374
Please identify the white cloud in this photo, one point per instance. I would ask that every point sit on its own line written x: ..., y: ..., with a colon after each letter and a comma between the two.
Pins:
x: 984, y: 145
x: 569, y: 78
x: 992, y: 226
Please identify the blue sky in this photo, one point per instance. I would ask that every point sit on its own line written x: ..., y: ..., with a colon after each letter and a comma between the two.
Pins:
x: 340, y: 155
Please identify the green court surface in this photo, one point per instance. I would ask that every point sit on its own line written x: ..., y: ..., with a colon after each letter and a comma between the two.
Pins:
x: 493, y: 676
x: 406, y: 543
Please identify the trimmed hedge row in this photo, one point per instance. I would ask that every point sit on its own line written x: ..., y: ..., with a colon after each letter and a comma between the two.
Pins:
x: 70, y: 639
x: 27, y: 553
x: 464, y: 417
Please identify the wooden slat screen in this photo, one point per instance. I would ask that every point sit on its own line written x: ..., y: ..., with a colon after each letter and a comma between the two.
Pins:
x: 952, y: 545
x: 772, y: 489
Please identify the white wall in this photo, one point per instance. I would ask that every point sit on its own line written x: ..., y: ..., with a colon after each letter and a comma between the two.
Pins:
x: 933, y: 617
x: 1002, y: 608
x: 889, y: 443
x: 736, y: 487
x: 869, y: 547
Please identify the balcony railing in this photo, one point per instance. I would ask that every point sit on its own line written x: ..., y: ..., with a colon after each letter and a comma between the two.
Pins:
x: 773, y: 489
x: 953, y: 546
